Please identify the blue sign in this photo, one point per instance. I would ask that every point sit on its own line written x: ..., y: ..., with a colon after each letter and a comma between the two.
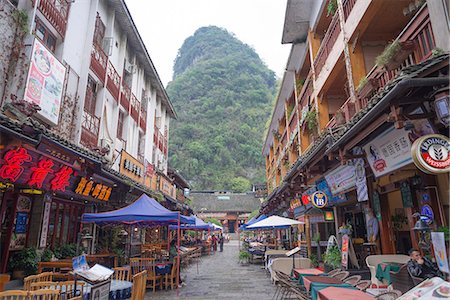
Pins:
x: 425, y: 197
x: 427, y: 211
x: 21, y: 222
x: 319, y: 199
x: 322, y: 185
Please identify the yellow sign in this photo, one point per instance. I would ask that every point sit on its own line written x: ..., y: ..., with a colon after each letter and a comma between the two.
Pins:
x: 328, y: 215
x: 31, y: 191
x: 166, y: 187
x: 96, y: 190
x: 131, y: 167
x: 295, y: 203
x: 6, y: 186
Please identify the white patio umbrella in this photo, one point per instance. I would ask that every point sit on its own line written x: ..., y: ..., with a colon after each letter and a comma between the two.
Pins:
x: 274, y: 222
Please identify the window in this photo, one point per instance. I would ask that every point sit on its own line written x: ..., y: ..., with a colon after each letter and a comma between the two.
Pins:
x: 120, y: 124
x: 63, y: 223
x: 91, y: 96
x: 45, y: 35
x: 141, y: 146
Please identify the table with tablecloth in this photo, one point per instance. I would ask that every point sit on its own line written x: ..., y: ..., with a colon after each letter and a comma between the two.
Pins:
x: 313, y: 284
x: 163, y: 268
x: 119, y: 290
x: 384, y: 269
x: 300, y: 273
x: 339, y: 293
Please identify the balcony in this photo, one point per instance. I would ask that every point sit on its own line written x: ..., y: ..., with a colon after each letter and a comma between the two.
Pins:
x: 99, y: 62
x: 113, y: 83
x: 134, y: 107
x: 56, y: 12
x: 348, y: 6
x: 416, y: 43
x: 125, y: 96
x: 90, y: 126
x: 327, y: 43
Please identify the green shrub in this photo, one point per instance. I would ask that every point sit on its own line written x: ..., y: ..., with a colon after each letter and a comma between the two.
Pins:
x: 24, y: 260
x: 333, y: 257
x: 314, y: 261
x: 47, y: 255
x: 388, y: 54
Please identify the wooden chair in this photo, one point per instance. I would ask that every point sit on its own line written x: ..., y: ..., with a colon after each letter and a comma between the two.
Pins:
x: 4, y: 278
x: 76, y: 298
x: 139, y: 282
x: 14, y: 295
x: 139, y: 264
x: 43, y: 277
x: 44, y: 295
x: 71, y: 287
x: 390, y: 295
x: 341, y: 275
x: 353, y: 280
x: 122, y: 273
x: 171, y: 278
x: 48, y: 285
x: 334, y: 272
x: 363, y: 285
x: 401, y: 280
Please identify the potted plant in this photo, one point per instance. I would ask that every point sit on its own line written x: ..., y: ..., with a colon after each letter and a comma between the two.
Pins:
x: 332, y: 259
x: 47, y: 255
x: 311, y: 120
x: 366, y: 87
x: 395, y: 54
x: 314, y: 261
x: 24, y: 262
x: 346, y: 228
x: 244, y: 257
x: 332, y: 7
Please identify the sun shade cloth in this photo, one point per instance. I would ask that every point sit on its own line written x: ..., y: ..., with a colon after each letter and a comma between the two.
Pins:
x: 215, y: 227
x: 274, y: 222
x: 144, y: 210
x: 253, y: 221
x: 198, y: 225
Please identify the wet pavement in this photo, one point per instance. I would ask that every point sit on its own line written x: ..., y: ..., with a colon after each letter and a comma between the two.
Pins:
x: 220, y: 276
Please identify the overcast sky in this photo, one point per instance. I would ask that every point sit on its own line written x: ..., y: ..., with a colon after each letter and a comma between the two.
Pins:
x: 165, y: 24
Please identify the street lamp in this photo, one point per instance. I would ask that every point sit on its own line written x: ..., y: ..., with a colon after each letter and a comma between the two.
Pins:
x: 422, y: 228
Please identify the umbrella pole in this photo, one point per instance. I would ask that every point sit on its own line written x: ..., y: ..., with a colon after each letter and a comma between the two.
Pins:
x: 178, y: 256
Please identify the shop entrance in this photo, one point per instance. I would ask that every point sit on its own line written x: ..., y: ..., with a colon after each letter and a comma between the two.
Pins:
x: 231, y: 226
x: 7, y: 213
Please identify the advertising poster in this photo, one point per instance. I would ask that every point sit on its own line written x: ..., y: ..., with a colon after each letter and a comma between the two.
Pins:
x: 440, y: 252
x: 45, y: 82
x: 341, y: 179
x: 344, y: 259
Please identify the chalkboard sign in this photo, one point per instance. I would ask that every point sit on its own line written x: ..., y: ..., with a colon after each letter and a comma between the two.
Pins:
x: 407, y: 197
x: 376, y: 205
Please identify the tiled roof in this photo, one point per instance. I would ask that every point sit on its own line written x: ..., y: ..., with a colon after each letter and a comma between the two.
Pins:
x: 224, y: 202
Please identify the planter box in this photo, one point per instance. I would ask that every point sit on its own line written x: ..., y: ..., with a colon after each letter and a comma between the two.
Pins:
x: 406, y: 48
x: 368, y: 89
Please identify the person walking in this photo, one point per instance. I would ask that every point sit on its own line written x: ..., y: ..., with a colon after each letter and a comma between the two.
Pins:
x: 214, y: 242
x: 221, y: 240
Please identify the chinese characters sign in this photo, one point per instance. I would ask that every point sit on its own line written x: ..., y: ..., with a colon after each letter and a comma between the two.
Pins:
x: 131, y: 167
x: 96, y: 190
x: 38, y: 170
x: 45, y: 82
x: 390, y: 151
x: 341, y: 179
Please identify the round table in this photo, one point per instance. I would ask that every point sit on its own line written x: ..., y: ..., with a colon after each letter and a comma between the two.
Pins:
x: 120, y: 289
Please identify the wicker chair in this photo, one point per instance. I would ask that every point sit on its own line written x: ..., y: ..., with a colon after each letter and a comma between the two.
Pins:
x: 401, y: 280
x: 390, y: 295
x: 334, y: 272
x: 353, y: 280
x: 341, y: 275
x: 14, y: 295
x: 363, y: 285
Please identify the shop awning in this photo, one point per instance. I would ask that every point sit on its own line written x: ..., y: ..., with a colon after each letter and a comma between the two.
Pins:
x: 274, y: 222
x: 215, y: 227
x: 198, y: 225
x: 253, y: 221
x: 144, y: 211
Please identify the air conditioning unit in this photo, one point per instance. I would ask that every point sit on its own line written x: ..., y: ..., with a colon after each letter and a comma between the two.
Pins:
x: 107, y: 144
x: 108, y: 44
x: 129, y: 67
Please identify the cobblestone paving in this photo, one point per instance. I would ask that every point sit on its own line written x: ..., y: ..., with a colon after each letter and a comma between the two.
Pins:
x: 220, y: 276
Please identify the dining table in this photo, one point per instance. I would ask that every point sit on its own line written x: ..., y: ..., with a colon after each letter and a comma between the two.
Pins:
x: 313, y: 284
x: 339, y: 293
x: 384, y: 269
x: 300, y: 273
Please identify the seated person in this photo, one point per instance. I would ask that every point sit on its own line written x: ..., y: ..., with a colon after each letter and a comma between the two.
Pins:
x: 422, y: 267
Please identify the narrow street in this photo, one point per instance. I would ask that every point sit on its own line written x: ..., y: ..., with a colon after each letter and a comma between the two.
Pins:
x: 220, y: 276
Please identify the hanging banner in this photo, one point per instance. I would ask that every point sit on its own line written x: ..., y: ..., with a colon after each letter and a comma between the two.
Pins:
x: 360, y: 172
x: 440, y: 252
x: 341, y: 179
x: 45, y: 221
x: 45, y: 82
x: 344, y: 258
x: 388, y: 152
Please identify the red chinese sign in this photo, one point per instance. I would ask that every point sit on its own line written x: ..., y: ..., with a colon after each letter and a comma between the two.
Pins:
x: 12, y: 169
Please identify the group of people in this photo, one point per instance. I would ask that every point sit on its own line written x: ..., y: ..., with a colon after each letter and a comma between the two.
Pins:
x: 213, y: 240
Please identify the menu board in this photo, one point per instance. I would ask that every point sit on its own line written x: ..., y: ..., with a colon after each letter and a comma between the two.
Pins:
x: 431, y: 289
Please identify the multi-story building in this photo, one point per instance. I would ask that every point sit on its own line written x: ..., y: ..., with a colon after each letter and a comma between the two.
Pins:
x: 85, y: 118
x: 364, y: 79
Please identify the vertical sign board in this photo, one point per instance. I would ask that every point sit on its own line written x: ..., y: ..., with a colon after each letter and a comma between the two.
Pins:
x: 44, y: 230
x: 344, y: 259
x: 440, y: 252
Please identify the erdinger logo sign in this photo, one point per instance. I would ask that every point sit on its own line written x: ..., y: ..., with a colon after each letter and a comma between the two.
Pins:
x: 431, y: 153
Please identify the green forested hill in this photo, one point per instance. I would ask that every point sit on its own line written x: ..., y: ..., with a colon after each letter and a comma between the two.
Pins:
x: 222, y: 93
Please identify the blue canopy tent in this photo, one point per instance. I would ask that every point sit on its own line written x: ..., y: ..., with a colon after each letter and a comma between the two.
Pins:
x: 145, y: 211
x: 199, y: 224
x: 253, y: 221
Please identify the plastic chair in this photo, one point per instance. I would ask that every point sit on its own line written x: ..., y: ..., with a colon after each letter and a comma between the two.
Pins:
x: 334, y: 272
x: 139, y: 282
x: 363, y: 285
x: 45, y: 294
x: 14, y: 295
x: 353, y: 280
x: 341, y: 275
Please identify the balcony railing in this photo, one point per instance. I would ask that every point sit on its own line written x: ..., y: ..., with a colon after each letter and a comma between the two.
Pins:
x: 99, y: 62
x: 113, y: 83
x: 327, y: 43
x: 348, y: 6
x: 125, y: 96
x: 418, y: 38
x: 90, y: 126
x: 56, y: 12
x: 134, y: 107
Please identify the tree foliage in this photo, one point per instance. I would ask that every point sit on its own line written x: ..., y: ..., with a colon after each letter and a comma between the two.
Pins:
x: 222, y: 93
